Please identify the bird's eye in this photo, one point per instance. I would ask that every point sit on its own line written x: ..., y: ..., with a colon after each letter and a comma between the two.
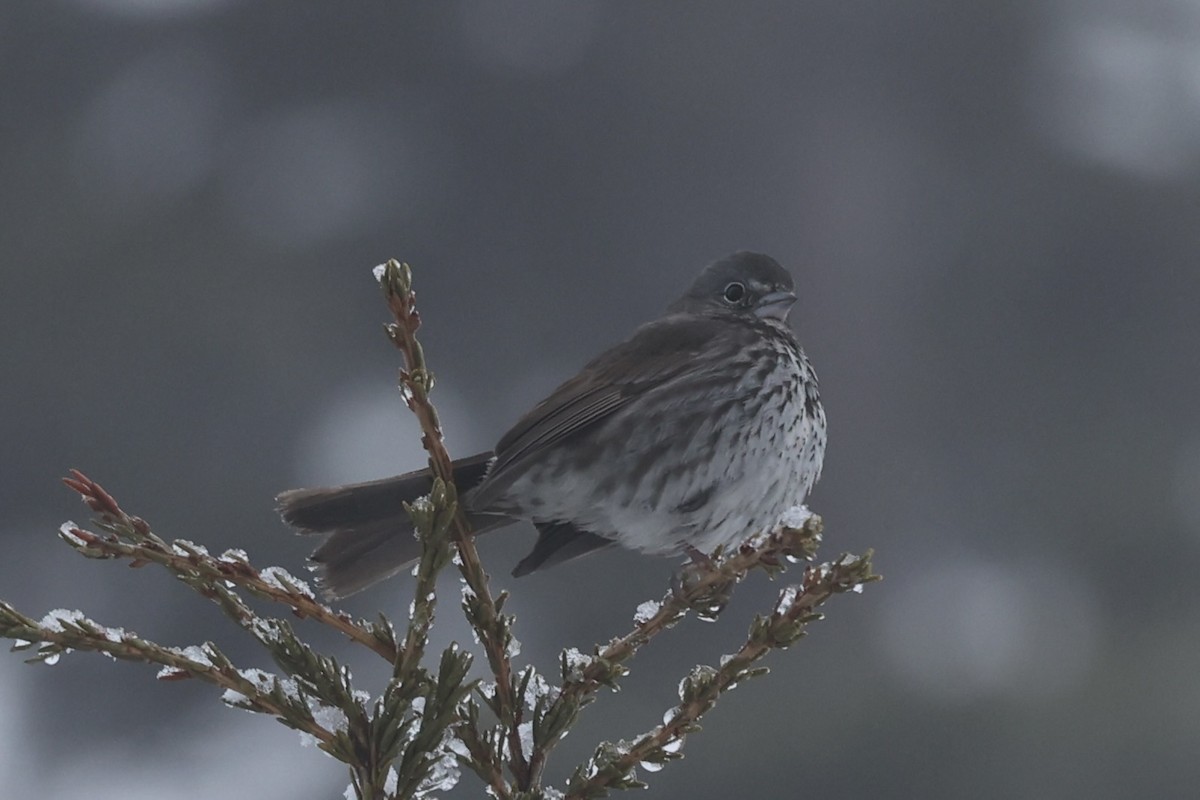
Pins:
x: 734, y: 293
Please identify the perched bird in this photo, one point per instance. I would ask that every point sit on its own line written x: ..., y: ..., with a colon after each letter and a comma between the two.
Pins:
x: 698, y: 431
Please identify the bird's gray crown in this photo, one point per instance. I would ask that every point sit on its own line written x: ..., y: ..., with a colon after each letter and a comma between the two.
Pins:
x: 744, y: 282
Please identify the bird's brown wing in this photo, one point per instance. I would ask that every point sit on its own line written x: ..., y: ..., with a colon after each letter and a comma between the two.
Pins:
x: 656, y: 354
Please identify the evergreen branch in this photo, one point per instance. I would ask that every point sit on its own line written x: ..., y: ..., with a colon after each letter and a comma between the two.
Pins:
x: 614, y: 766
x: 704, y: 586
x: 131, y: 538
x: 432, y: 517
x: 483, y: 748
x: 63, y: 631
x: 428, y: 760
x: 493, y: 628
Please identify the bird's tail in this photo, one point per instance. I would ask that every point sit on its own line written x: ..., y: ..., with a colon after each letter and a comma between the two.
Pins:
x: 370, y: 535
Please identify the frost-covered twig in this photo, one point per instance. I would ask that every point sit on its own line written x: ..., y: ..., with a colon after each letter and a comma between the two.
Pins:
x: 432, y: 517
x: 131, y: 537
x: 398, y: 744
x: 62, y: 631
x: 702, y: 586
x: 613, y: 766
x: 493, y: 628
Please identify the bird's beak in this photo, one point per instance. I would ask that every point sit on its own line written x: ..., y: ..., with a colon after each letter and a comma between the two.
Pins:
x: 775, y: 305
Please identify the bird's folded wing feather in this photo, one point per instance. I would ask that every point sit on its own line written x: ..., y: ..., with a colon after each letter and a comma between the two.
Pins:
x: 656, y: 354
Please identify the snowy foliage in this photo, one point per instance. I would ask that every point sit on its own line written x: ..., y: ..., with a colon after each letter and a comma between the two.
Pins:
x: 646, y: 611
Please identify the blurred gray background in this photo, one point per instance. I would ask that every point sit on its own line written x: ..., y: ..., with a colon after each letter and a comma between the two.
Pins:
x: 993, y: 214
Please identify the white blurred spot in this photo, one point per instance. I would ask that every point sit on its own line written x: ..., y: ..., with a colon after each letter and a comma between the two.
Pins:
x: 205, y: 754
x: 14, y: 706
x: 1185, y: 484
x: 366, y: 432
x: 114, y: 768
x: 1126, y: 94
x: 529, y: 36
x: 150, y: 133
x: 304, y: 174
x: 964, y: 628
x: 156, y: 9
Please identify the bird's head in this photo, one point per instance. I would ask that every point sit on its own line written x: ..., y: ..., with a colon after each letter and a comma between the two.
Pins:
x: 742, y: 284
